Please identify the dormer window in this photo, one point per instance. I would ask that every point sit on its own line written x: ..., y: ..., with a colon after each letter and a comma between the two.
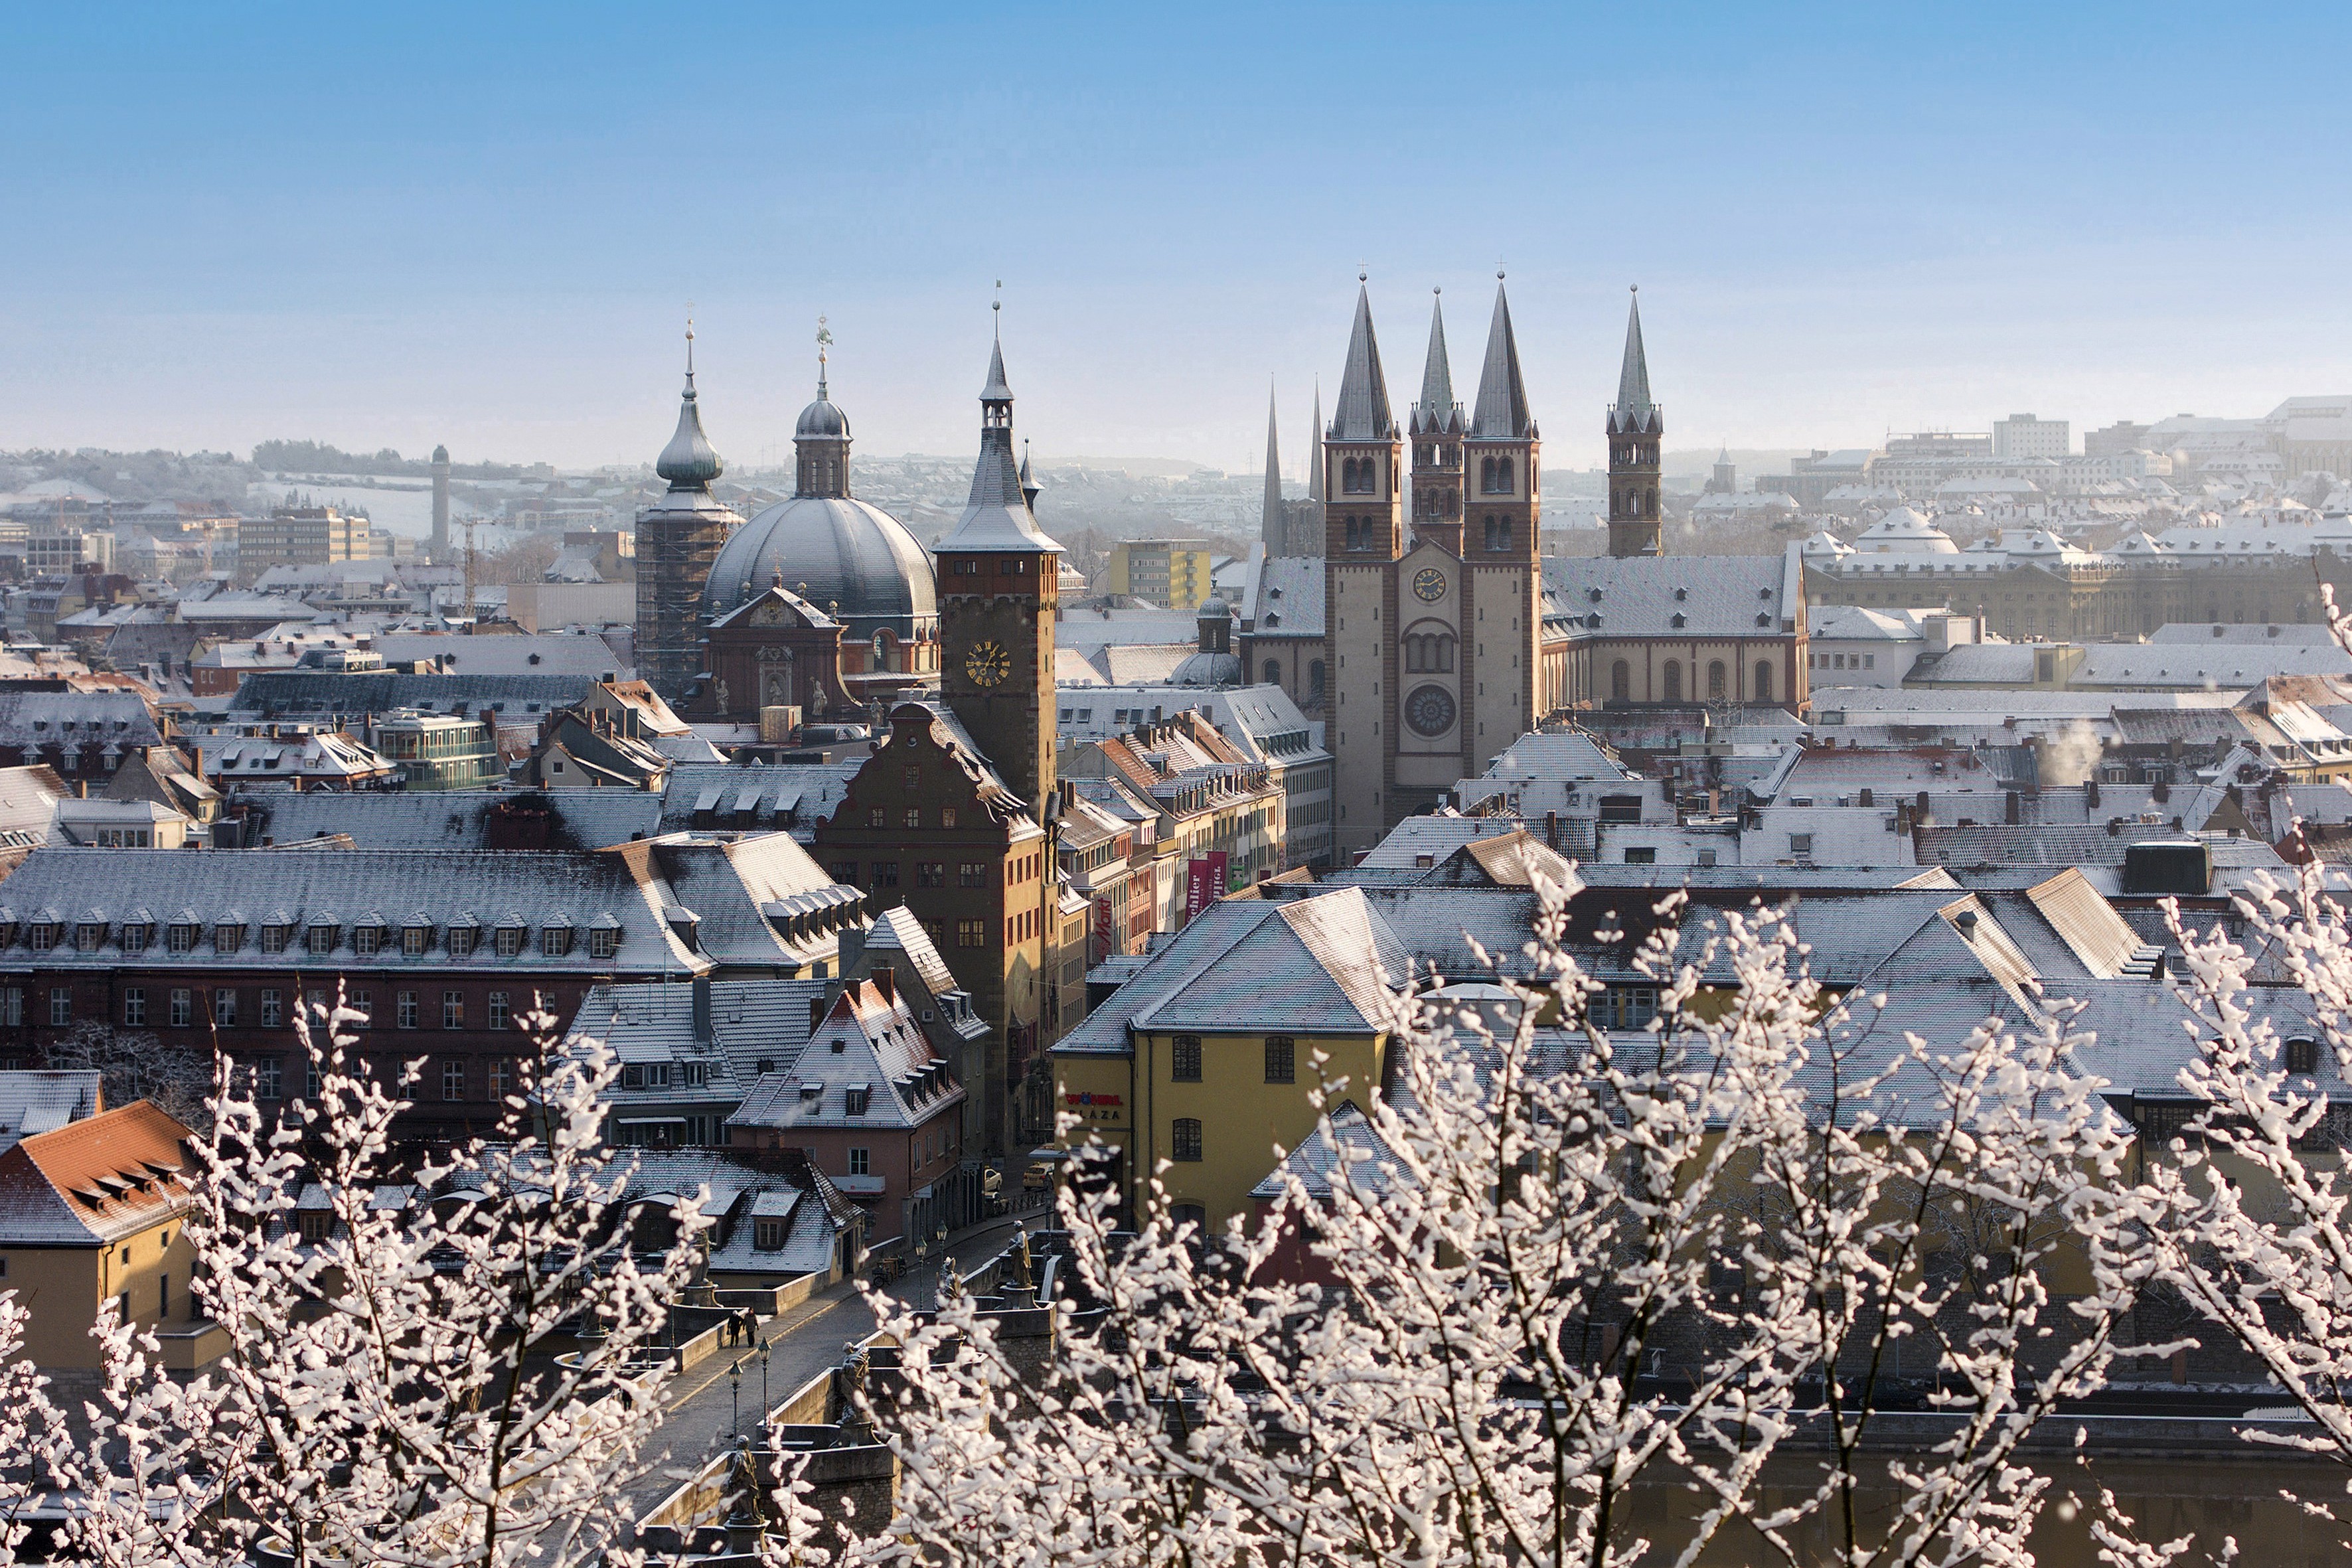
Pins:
x: 274, y: 938
x: 90, y: 936
x: 605, y: 942
x: 415, y: 940
x: 228, y: 936
x: 321, y: 936
x: 180, y: 936
x: 462, y: 940
x: 556, y: 940
x: 509, y: 940
x: 853, y: 1100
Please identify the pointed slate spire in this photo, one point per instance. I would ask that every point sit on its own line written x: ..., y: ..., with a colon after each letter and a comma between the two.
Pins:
x: 689, y: 462
x: 1315, y: 447
x: 1363, y: 413
x: 1270, y: 524
x: 1437, y: 374
x: 1502, y: 409
x: 1029, y: 485
x: 1634, y: 381
x: 997, y: 517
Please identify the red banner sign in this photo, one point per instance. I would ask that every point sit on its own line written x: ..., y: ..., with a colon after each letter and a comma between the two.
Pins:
x: 1204, y: 882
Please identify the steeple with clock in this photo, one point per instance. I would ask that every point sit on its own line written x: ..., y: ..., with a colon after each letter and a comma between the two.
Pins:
x: 998, y: 580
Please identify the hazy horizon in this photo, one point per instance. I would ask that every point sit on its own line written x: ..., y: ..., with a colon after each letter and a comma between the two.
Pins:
x: 483, y: 228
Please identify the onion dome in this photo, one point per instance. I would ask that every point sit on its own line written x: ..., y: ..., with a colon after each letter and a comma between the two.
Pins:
x: 689, y: 462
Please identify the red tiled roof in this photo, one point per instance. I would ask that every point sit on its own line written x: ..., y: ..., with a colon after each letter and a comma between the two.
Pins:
x: 94, y: 1179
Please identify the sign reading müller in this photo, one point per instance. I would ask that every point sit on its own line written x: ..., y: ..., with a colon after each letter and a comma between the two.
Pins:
x: 1204, y: 882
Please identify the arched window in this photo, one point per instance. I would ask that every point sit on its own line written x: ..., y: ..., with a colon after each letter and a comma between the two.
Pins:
x: 1352, y: 534
x: 1620, y: 682
x: 1715, y: 680
x: 1763, y: 680
x: 1490, y: 530
x: 1486, y: 476
x: 1503, y: 476
x: 1315, y: 677
x: 1670, y: 681
x: 1446, y: 652
x: 1502, y: 534
x: 1274, y: 672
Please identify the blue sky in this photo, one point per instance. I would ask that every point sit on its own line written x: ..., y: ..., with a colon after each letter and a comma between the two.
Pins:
x: 389, y: 225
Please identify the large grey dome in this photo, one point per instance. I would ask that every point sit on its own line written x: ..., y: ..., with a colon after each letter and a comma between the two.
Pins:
x: 851, y: 555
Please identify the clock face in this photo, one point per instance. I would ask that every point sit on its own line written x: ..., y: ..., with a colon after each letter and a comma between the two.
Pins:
x: 988, y: 664
x: 1429, y: 583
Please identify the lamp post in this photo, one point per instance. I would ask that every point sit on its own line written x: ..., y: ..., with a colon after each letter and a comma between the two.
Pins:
x: 735, y: 1387
x: 763, y: 1381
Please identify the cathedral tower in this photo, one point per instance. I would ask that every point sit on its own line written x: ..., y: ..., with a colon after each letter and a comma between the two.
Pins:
x: 1363, y: 538
x: 998, y: 579
x: 1502, y: 517
x: 1633, y: 425
x: 1436, y: 428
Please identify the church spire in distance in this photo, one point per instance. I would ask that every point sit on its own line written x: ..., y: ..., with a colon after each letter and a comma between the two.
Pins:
x: 1315, y: 447
x: 1271, y: 530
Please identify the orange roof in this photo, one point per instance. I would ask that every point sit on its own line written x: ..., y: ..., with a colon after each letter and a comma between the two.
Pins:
x: 92, y: 1181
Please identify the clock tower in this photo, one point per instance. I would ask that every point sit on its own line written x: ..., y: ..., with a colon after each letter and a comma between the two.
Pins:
x: 998, y: 577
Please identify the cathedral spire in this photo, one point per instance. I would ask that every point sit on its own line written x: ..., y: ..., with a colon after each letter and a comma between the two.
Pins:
x: 689, y: 462
x: 1315, y: 447
x: 1363, y: 414
x: 1502, y: 407
x: 1634, y: 380
x: 1437, y: 374
x: 1271, y: 528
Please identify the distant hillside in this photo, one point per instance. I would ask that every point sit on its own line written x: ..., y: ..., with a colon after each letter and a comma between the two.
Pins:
x: 317, y: 458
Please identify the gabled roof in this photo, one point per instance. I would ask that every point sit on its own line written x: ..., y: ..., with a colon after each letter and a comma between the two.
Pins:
x: 1363, y: 409
x: 1344, y: 1145
x: 43, y: 1101
x: 866, y: 1041
x: 93, y: 1181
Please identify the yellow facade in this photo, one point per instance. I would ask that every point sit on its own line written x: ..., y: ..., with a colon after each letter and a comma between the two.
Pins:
x: 1175, y: 576
x: 1133, y: 1103
x: 63, y: 1286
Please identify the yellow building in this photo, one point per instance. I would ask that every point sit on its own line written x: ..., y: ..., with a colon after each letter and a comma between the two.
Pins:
x: 1170, y: 572
x: 96, y: 1210
x: 1211, y: 1057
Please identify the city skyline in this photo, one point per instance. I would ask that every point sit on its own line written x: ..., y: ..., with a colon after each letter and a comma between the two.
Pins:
x: 487, y: 231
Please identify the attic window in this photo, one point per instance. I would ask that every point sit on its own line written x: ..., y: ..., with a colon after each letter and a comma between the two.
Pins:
x: 768, y: 1235
x: 2302, y: 1053
x: 810, y: 1093
x: 839, y: 1047
x: 854, y: 1097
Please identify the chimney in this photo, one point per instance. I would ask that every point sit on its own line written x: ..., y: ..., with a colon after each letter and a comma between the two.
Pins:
x: 1551, y: 828
x: 2012, y: 809
x: 1966, y: 920
x: 816, y: 1013
x: 886, y: 980
x: 1070, y: 788
x: 702, y: 1031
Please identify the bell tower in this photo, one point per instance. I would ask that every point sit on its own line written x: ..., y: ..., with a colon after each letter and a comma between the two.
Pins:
x: 1633, y: 425
x: 998, y: 579
x: 1363, y: 539
x: 1436, y: 431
